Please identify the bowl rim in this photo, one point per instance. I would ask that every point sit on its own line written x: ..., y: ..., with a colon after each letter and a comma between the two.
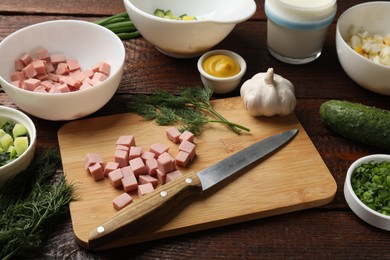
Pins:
x: 70, y: 21
x: 32, y: 134
x: 171, y: 21
x: 238, y: 58
x: 354, y: 165
x: 344, y: 42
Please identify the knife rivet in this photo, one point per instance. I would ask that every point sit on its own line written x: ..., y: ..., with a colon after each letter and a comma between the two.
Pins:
x: 163, y: 193
x: 188, y: 180
x: 100, y: 229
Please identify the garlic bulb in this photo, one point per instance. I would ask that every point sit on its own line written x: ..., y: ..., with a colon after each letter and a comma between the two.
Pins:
x: 268, y: 94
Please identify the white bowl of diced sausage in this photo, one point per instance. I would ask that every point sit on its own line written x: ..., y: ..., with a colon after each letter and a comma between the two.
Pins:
x: 61, y: 70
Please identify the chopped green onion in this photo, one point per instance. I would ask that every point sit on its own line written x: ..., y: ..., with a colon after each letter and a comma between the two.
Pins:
x: 371, y: 184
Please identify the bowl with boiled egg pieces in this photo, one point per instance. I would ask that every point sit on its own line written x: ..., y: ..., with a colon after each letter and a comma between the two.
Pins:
x: 17, y: 143
x: 62, y: 69
x: 187, y: 28
x: 367, y: 189
x: 363, y: 45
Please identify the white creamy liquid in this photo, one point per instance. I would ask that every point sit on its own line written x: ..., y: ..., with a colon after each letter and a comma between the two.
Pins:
x: 308, y: 3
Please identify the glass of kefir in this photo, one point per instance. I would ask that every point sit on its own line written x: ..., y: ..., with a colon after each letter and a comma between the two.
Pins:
x: 296, y: 29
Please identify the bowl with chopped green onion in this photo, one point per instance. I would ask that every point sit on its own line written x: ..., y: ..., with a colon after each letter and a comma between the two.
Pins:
x: 17, y: 143
x: 367, y: 189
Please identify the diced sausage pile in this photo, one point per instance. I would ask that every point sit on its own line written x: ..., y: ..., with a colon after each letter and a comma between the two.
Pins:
x: 54, y: 73
x: 136, y: 170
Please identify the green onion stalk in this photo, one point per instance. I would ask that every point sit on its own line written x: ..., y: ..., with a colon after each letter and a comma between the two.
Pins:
x: 121, y: 25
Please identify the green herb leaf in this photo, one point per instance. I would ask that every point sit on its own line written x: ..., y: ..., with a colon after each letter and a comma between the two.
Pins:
x: 31, y: 203
x: 191, y: 108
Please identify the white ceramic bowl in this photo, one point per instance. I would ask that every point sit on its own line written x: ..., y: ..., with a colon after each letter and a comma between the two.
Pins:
x: 184, y: 39
x: 374, y: 18
x: 367, y: 214
x: 13, y: 168
x: 221, y: 85
x: 85, y: 41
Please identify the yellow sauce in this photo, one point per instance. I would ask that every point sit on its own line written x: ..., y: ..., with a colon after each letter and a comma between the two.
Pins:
x: 221, y: 66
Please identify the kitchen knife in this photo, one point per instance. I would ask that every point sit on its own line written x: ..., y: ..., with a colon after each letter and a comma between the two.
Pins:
x: 161, y: 202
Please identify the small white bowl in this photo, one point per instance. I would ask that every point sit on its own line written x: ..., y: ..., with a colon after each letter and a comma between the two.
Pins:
x: 18, y: 165
x: 221, y: 85
x: 185, y: 39
x: 367, y: 214
x: 372, y: 17
x: 87, y: 42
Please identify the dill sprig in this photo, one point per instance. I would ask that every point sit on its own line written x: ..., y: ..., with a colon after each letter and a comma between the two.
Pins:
x: 31, y: 203
x: 191, y: 108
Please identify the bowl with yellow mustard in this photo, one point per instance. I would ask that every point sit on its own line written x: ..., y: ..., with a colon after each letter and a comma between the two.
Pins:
x: 222, y: 70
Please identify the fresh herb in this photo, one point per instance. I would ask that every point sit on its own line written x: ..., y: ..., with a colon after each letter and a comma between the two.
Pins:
x: 30, y: 204
x: 371, y: 183
x: 190, y: 108
x: 121, y: 25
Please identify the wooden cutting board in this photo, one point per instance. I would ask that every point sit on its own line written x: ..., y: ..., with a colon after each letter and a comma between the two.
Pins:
x: 292, y: 179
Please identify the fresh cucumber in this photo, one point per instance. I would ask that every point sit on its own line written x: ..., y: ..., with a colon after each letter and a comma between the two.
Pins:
x: 357, y: 122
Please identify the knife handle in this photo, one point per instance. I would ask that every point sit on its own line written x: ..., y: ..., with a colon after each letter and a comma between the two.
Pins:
x: 146, y: 210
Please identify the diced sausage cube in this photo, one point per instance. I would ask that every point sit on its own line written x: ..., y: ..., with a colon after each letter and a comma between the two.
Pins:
x: 173, y: 176
x: 53, y: 77
x: 19, y: 65
x: 43, y: 54
x: 127, y: 171
x: 47, y: 84
x: 104, y: 68
x: 161, y: 176
x: 110, y: 166
x: 92, y: 158
x: 55, y: 89
x: 151, y: 166
x: 138, y: 166
x: 73, y: 64
x: 121, y: 157
x: 158, y: 149
x: 57, y: 58
x: 166, y: 163
x: 187, y: 135
x: 115, y: 178
x: 39, y: 66
x: 173, y: 134
x: 127, y: 140
x: 122, y: 201
x: 129, y: 183
x: 188, y: 147
x: 182, y: 158
x: 17, y: 75
x: 26, y: 59
x: 135, y: 151
x: 41, y: 89
x: 63, y: 88
x: 143, y: 179
x: 62, y: 69
x: 96, y: 171
x: 146, y: 155
x: 123, y: 147
x: 29, y: 71
x: 49, y: 67
x: 144, y: 189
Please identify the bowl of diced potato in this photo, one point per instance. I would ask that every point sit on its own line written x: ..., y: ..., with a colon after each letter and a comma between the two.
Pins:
x: 17, y: 143
x: 363, y: 45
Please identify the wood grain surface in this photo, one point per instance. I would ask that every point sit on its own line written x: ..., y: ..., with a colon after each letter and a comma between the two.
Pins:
x: 331, y: 231
x: 292, y: 179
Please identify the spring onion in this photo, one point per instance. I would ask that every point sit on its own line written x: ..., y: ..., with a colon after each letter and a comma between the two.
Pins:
x: 371, y: 184
x: 121, y: 25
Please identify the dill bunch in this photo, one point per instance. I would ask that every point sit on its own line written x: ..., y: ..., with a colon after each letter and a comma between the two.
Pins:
x: 31, y: 203
x: 191, y: 107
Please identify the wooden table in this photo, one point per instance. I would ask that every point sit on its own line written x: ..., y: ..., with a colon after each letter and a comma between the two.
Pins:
x: 331, y: 231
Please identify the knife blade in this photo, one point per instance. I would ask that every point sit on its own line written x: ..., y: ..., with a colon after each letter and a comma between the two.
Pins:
x: 164, y: 199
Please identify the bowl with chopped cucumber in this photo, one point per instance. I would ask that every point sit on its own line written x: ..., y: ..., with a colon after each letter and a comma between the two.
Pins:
x: 363, y: 45
x: 187, y: 28
x: 17, y: 143
x: 367, y: 189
